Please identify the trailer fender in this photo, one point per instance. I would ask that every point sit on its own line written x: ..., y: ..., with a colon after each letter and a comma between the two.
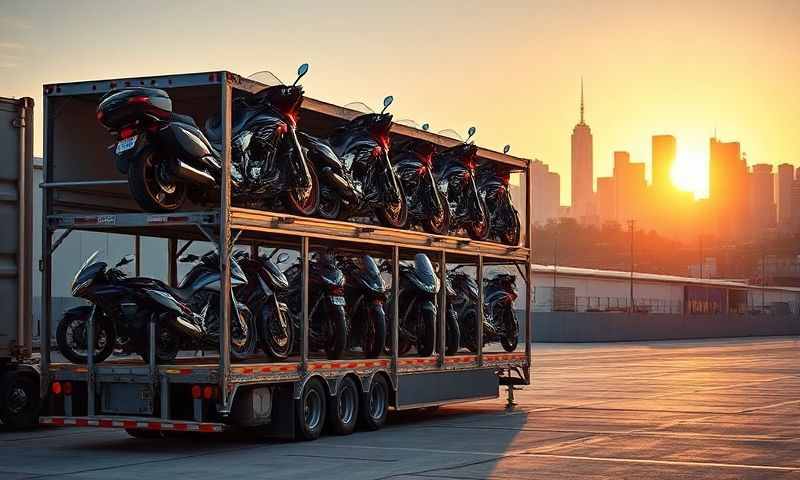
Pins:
x: 334, y: 383
x: 300, y: 385
x: 366, y: 382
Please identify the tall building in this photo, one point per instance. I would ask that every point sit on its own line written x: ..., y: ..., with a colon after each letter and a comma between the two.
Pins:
x: 664, y: 152
x: 582, y: 173
x: 728, y: 193
x: 606, y: 199
x: 631, y: 188
x: 796, y: 202
x: 546, y: 192
x: 762, y: 198
x: 784, y: 181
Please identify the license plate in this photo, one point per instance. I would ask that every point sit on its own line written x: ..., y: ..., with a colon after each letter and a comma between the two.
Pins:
x: 338, y: 301
x: 127, y: 144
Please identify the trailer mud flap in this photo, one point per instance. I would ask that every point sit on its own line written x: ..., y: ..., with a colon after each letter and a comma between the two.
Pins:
x: 127, y: 398
x: 423, y: 389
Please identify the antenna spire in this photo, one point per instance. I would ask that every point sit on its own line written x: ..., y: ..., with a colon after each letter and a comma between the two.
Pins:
x: 581, y: 100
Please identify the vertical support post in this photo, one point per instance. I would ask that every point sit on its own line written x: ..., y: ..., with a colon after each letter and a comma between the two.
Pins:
x: 304, y: 326
x: 529, y: 272
x: 90, y: 374
x: 481, y: 313
x: 137, y: 251
x: 151, y: 350
x: 253, y: 250
x: 164, y: 392
x: 172, y: 265
x: 442, y: 323
x: 395, y: 311
x: 47, y: 254
x: 224, y: 246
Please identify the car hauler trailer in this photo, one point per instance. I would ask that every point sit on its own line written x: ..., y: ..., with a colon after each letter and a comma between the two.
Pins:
x: 19, y: 377
x: 82, y: 190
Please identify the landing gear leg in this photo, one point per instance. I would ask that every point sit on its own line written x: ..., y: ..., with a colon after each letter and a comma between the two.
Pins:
x: 510, y: 403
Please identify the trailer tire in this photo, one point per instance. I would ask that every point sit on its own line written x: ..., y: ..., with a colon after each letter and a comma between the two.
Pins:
x: 143, y: 434
x: 19, y: 403
x: 375, y: 404
x: 310, y: 410
x: 343, y: 408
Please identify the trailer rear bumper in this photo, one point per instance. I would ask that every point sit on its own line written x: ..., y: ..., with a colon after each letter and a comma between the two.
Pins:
x: 136, y: 423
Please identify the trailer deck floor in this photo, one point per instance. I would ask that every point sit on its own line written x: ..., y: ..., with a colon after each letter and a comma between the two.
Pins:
x: 714, y: 409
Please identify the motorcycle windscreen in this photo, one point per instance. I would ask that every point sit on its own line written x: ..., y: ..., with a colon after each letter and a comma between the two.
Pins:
x: 87, y: 272
x: 425, y: 274
x: 371, y: 275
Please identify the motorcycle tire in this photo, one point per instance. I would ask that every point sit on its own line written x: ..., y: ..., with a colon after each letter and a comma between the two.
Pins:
x: 309, y: 205
x: 167, y: 346
x: 452, y: 333
x: 511, y: 236
x: 480, y: 230
x: 441, y: 225
x: 77, y: 318
x: 336, y: 334
x: 276, y: 344
x: 373, y: 335
x: 426, y: 335
x: 509, y: 340
x: 149, y: 184
x: 394, y: 218
x: 469, y: 328
x: 330, y: 205
x: 243, y: 343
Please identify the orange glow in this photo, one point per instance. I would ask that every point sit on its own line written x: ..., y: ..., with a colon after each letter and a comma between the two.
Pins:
x: 690, y: 172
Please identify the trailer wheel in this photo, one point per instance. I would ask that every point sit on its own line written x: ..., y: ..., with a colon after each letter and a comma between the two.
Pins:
x: 19, y: 403
x: 310, y: 410
x: 143, y: 434
x: 375, y: 404
x: 343, y: 408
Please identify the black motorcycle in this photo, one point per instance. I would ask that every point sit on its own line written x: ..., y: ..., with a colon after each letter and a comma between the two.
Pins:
x: 418, y: 288
x: 265, y: 283
x: 455, y: 174
x: 167, y: 157
x: 356, y: 174
x: 493, y: 185
x: 365, y: 292
x: 327, y: 316
x: 186, y: 317
x: 427, y: 206
x: 499, y: 318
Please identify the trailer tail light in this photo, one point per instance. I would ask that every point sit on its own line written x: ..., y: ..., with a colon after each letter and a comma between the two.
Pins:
x: 67, y: 387
x: 56, y: 388
x: 197, y: 392
x: 209, y: 392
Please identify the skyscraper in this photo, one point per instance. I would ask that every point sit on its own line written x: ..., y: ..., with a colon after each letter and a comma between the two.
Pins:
x: 582, y: 168
x: 762, y: 198
x: 783, y: 194
x: 664, y: 151
x: 728, y: 193
x: 546, y: 192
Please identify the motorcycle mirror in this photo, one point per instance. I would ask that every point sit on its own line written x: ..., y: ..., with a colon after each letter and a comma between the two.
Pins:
x: 124, y: 261
x: 506, y: 149
x: 301, y: 71
x: 470, y: 133
x: 189, y: 258
x: 282, y: 258
x: 386, y: 102
x: 425, y: 126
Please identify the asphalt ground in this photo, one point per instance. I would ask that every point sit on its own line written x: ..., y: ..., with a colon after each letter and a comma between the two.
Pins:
x: 712, y: 409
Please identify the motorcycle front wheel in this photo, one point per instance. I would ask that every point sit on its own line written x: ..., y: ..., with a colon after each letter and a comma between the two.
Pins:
x: 509, y: 338
x: 330, y: 205
x: 305, y: 202
x: 276, y: 333
x: 426, y: 333
x: 72, y: 332
x: 394, y: 215
x: 511, y: 234
x: 478, y: 228
x: 243, y: 334
x: 151, y: 184
x: 335, y: 332
x: 438, y: 223
x: 452, y: 332
x: 373, y: 335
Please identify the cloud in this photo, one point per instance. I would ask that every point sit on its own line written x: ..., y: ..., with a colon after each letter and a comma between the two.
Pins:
x: 16, y: 23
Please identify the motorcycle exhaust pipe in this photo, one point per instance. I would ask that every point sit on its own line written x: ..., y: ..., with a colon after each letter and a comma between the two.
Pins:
x: 188, y: 173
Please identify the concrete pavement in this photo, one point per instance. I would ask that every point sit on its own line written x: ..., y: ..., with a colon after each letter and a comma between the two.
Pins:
x: 714, y: 409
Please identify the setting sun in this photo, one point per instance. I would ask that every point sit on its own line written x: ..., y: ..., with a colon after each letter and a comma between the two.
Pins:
x: 690, y: 172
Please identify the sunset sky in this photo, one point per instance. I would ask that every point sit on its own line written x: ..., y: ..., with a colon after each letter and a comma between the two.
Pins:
x: 512, y: 69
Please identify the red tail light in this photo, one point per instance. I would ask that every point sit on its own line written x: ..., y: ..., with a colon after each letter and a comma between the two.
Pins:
x: 197, y: 392
x: 126, y: 132
x: 56, y: 388
x: 292, y: 116
x: 139, y: 99
x: 67, y: 388
x: 377, y: 151
x: 208, y: 392
x: 282, y: 128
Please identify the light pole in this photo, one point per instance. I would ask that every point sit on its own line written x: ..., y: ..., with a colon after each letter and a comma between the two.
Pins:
x: 632, y: 226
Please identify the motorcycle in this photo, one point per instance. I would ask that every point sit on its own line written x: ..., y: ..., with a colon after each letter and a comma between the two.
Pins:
x: 493, y: 185
x: 265, y: 282
x: 167, y: 157
x: 499, y: 318
x: 365, y: 293
x: 327, y: 316
x: 427, y: 206
x: 186, y: 317
x: 356, y: 174
x: 418, y: 287
x: 455, y: 168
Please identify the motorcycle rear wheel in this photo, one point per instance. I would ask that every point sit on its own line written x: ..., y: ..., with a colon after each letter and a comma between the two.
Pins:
x: 373, y: 335
x: 276, y: 342
x: 151, y: 186
x: 310, y: 203
x: 244, y: 337
x: 509, y: 339
x: 479, y: 230
x: 335, y: 333
x: 452, y: 333
x: 167, y: 346
x: 426, y: 338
